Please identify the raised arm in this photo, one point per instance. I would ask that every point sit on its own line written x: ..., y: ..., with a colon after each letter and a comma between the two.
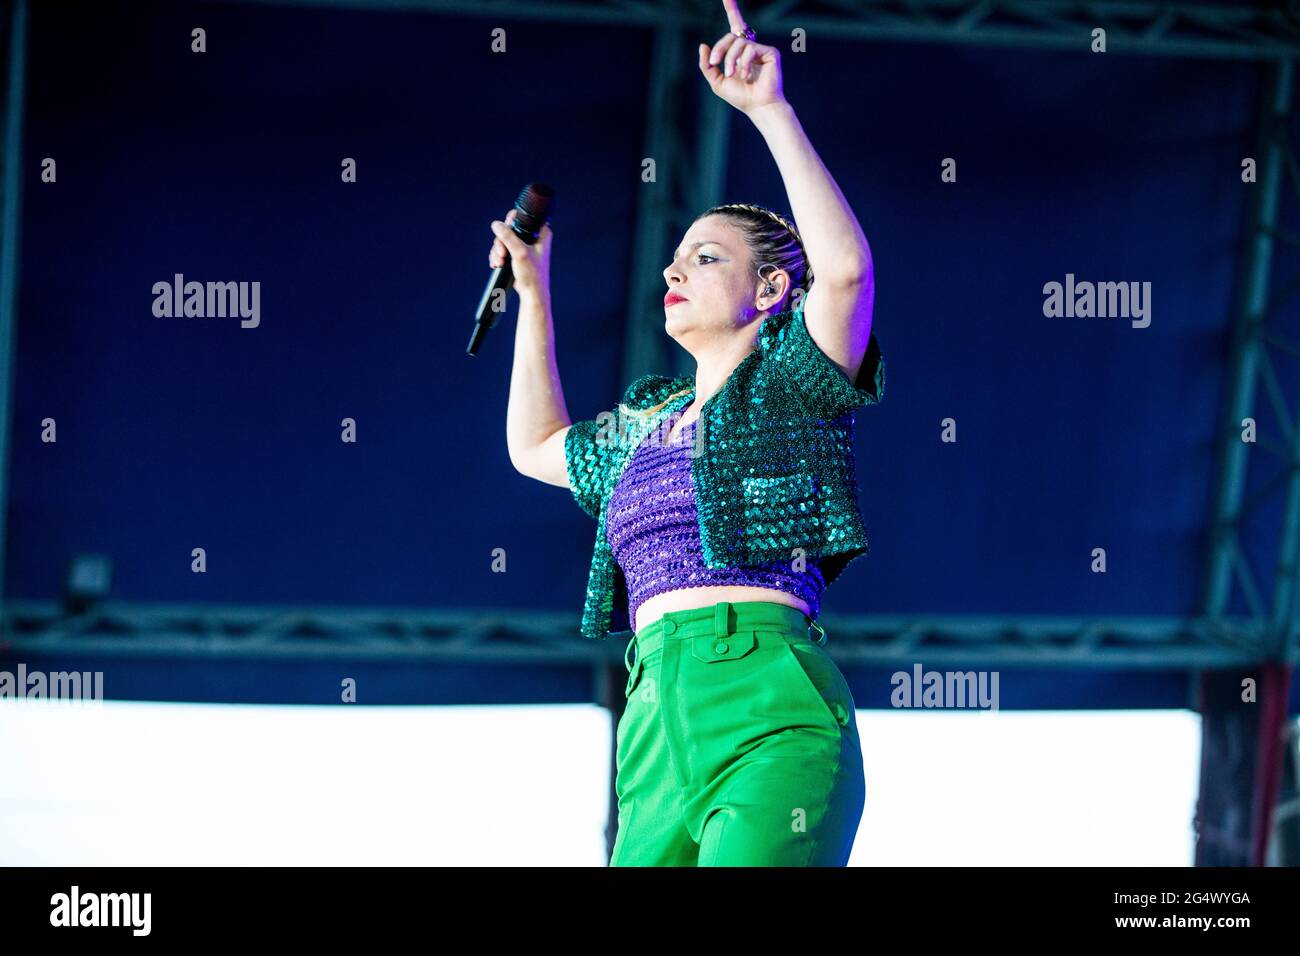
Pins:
x: 838, y: 309
x: 536, y: 417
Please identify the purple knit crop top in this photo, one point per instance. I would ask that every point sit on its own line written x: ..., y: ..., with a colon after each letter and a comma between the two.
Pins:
x: 652, y: 525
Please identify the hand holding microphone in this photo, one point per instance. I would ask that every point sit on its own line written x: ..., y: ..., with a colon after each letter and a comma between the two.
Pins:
x: 520, y: 256
x: 530, y: 265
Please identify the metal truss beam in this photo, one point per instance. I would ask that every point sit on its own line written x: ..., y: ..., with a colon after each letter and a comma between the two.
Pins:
x: 1256, y: 344
x: 1247, y: 31
x: 1168, y: 28
x: 687, y: 180
x: 13, y: 23
x: 491, y: 635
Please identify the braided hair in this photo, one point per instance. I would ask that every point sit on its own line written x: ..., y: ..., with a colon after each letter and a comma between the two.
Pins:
x: 774, y: 242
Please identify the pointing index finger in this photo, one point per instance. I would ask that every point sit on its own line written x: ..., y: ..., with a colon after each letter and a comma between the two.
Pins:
x: 737, y: 22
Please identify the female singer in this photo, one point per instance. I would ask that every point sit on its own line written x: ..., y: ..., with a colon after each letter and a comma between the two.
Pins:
x: 725, y: 502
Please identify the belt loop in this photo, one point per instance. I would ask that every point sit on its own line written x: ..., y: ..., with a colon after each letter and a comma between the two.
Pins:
x: 626, y: 663
x: 721, y: 624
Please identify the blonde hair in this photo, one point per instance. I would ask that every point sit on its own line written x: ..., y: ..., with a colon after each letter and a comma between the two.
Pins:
x: 641, y: 414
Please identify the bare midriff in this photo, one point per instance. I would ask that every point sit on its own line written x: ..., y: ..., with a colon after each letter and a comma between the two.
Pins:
x: 684, y: 599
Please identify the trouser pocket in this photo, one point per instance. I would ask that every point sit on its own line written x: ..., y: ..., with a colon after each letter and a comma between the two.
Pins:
x: 634, y: 678
x: 814, y: 675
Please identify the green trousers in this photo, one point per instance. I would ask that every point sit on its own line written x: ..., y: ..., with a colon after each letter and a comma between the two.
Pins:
x: 739, y: 743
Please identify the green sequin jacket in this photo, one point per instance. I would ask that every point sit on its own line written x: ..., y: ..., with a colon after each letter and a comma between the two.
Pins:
x: 774, y: 471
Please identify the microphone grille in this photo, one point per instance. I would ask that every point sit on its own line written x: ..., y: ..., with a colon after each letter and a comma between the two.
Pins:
x: 533, y: 205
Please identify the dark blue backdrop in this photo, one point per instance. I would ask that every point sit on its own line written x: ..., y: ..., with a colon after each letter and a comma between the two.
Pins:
x: 177, y: 433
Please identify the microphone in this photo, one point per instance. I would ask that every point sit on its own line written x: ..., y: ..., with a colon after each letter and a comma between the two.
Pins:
x: 532, y: 209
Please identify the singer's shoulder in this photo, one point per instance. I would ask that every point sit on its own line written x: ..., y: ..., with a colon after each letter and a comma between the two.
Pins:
x: 650, y: 390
